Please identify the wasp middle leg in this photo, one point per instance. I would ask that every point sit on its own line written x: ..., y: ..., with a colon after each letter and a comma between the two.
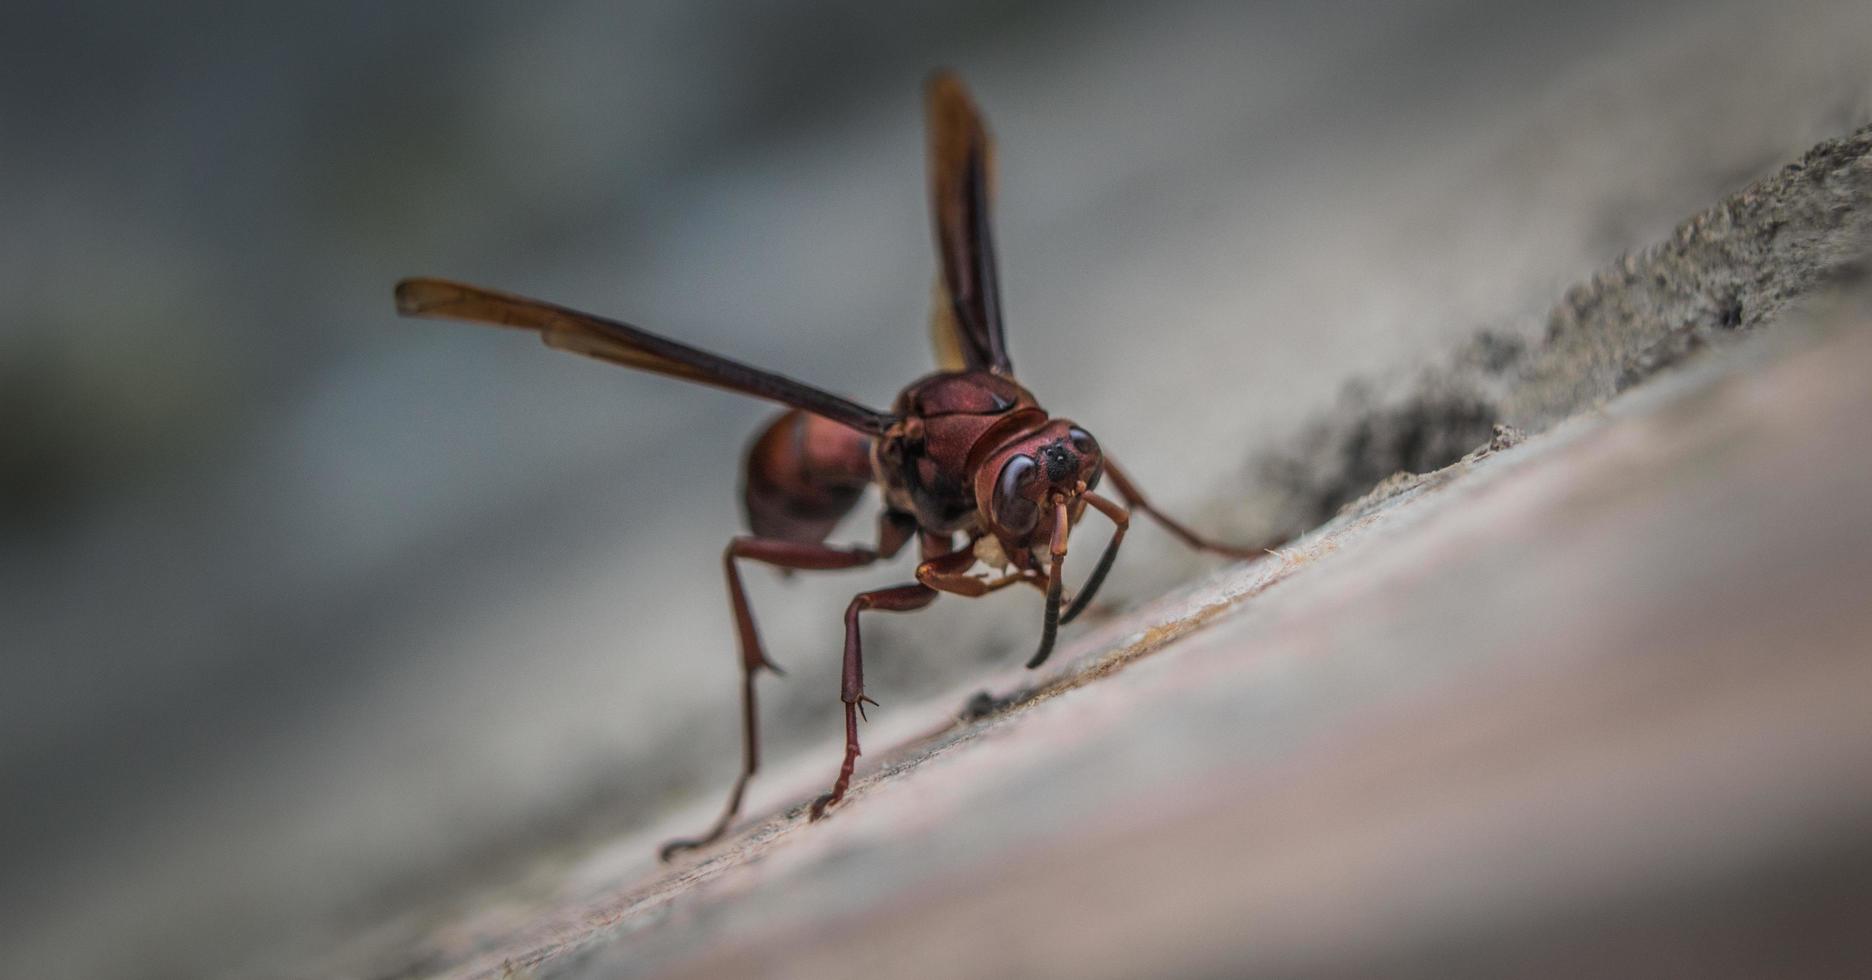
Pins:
x: 902, y: 598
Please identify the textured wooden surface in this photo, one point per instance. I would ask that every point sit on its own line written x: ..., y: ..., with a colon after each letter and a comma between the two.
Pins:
x: 1598, y: 703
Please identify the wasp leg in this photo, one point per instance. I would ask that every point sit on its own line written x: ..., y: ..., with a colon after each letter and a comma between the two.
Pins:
x: 782, y: 554
x: 1136, y: 500
x: 902, y: 598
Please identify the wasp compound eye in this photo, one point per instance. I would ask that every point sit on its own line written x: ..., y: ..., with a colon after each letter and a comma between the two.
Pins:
x: 1013, y: 512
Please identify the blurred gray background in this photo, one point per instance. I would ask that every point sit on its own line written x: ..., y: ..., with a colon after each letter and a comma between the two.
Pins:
x: 303, y: 607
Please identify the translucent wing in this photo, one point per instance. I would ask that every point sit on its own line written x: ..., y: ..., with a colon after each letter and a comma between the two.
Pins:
x: 620, y: 343
x: 965, y: 322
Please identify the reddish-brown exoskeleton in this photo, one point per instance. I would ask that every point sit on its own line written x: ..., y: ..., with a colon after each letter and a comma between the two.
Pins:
x: 966, y: 452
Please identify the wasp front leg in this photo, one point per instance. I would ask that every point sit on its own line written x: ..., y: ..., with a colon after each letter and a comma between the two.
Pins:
x: 950, y: 573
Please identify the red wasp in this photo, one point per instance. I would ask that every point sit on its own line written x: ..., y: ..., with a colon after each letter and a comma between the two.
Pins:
x: 966, y: 451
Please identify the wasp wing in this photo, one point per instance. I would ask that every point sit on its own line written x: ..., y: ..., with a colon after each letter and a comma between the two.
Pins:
x: 965, y: 322
x: 621, y: 343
